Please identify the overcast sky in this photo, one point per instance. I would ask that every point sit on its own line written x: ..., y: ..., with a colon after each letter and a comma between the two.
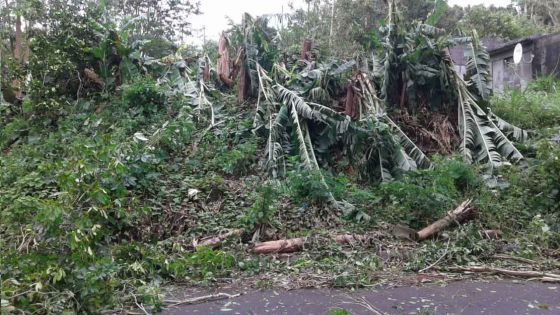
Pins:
x: 213, y: 18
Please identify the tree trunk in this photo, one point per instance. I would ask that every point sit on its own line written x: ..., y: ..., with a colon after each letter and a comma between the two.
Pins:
x: 223, y: 66
x: 244, y: 83
x: 332, y: 22
x: 352, y: 102
x: 17, y: 48
x: 461, y: 213
x: 306, y: 50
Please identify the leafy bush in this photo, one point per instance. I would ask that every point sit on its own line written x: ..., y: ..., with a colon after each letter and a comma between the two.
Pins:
x: 531, y: 191
x: 12, y: 131
x: 75, y: 192
x: 307, y: 187
x: 232, y: 151
x: 262, y: 211
x: 237, y: 160
x: 145, y: 96
x: 425, y: 195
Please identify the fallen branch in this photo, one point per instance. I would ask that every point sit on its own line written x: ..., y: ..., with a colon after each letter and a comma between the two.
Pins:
x: 544, y: 276
x: 202, y: 299
x: 518, y: 259
x: 460, y: 214
x: 216, y: 241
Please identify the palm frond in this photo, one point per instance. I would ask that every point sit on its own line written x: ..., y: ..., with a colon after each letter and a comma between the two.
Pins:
x: 482, y: 141
x: 511, y: 131
x: 297, y: 102
x: 478, y: 67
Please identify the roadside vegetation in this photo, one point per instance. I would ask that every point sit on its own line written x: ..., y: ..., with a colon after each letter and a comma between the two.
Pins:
x: 131, y: 166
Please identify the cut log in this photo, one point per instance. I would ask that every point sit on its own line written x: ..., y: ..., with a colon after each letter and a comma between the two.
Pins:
x: 280, y: 246
x: 463, y: 212
x: 296, y: 244
x: 344, y: 239
x: 216, y: 241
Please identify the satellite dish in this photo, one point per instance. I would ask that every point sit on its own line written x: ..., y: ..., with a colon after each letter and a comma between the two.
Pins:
x: 517, y: 53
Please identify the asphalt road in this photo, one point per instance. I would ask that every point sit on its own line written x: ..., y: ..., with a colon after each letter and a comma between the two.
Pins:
x: 494, y: 298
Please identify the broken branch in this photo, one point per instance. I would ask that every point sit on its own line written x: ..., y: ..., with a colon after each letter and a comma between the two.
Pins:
x: 205, y: 298
x: 460, y: 214
x: 514, y: 273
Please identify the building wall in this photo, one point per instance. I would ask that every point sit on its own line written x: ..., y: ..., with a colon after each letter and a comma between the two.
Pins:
x: 541, y: 56
x: 548, y: 55
x: 506, y: 74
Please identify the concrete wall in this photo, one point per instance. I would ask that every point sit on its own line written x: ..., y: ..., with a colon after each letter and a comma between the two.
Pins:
x: 541, y: 56
x: 548, y: 56
x: 506, y: 74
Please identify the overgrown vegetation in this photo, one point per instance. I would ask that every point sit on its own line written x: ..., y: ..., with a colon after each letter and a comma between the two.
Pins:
x: 120, y: 151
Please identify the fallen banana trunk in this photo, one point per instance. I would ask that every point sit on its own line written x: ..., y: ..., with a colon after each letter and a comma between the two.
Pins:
x: 216, y: 241
x: 297, y: 244
x: 543, y: 276
x: 463, y: 212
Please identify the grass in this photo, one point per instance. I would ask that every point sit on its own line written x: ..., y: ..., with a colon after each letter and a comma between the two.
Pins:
x: 536, y: 108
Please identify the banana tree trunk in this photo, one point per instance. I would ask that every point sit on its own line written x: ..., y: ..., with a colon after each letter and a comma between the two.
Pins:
x: 306, y: 50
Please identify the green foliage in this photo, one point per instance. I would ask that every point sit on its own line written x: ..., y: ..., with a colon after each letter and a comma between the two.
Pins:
x: 231, y: 153
x: 535, y: 108
x: 307, y: 187
x: 76, y: 191
x: 208, y: 264
x: 530, y: 192
x: 144, y: 96
x: 12, y: 131
x: 423, y: 196
x: 262, y: 212
x: 103, y: 188
x: 503, y: 23
x: 463, y: 246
